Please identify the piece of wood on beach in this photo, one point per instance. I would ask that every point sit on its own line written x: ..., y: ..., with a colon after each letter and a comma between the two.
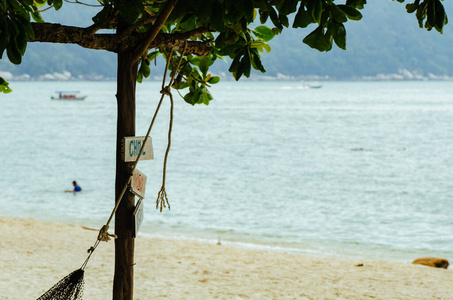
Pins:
x: 432, y: 262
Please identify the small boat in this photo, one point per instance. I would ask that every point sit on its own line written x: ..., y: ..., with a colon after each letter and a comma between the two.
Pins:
x: 68, y: 95
x: 313, y: 85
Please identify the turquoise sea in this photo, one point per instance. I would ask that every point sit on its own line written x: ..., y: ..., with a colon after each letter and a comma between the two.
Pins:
x: 353, y: 169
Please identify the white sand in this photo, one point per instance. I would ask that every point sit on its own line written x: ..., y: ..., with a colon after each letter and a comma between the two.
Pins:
x: 36, y: 255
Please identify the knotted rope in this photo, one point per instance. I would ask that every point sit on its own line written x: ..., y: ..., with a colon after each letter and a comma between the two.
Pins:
x: 162, y: 199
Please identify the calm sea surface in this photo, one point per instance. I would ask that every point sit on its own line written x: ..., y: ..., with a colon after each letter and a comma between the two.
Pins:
x: 353, y: 169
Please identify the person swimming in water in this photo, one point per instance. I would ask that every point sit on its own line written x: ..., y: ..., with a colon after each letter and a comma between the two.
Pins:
x: 77, y: 188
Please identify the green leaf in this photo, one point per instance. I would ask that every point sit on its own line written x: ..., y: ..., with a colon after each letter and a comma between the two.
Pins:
x: 146, y: 70
x: 288, y: 7
x: 284, y: 20
x: 317, y: 40
x: 441, y: 17
x: 431, y: 17
x: 264, y: 33
x: 195, y: 74
x: 199, y: 96
x: 101, y: 17
x: 4, y: 35
x: 139, y: 77
x: 351, y: 13
x: 277, y: 31
x: 256, y: 63
x: 301, y: 19
x: 20, y: 41
x: 180, y: 85
x: 264, y: 15
x: 338, y: 14
x: 40, y: 3
x: 324, y: 18
x: 235, y: 64
x: 37, y: 16
x: 195, y: 60
x: 274, y: 18
x: 421, y: 11
x: 339, y: 35
x: 230, y: 49
x: 204, y: 96
x: 57, y: 4
x: 261, y: 46
x: 153, y: 55
x: 4, y: 88
x: 359, y: 4
x: 411, y: 7
x: 246, y: 64
x: 25, y: 25
x: 204, y: 65
x: 214, y: 80
x: 191, y: 98
x: 13, y: 54
x: 203, y: 99
x: 314, y: 9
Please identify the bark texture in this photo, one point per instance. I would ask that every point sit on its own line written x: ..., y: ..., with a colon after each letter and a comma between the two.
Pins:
x: 123, y: 282
x: 118, y: 43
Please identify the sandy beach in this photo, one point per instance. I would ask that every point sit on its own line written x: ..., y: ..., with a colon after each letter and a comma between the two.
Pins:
x: 35, y: 255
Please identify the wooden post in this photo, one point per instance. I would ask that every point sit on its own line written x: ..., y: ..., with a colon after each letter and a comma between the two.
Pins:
x: 123, y: 282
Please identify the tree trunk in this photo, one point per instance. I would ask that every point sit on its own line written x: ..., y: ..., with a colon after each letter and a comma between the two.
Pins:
x: 123, y: 281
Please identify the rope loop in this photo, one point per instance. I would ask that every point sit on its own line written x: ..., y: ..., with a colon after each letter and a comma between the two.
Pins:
x: 166, y: 91
x: 104, y: 236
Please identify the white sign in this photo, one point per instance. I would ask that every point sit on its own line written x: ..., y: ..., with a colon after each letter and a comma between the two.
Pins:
x: 131, y: 148
x: 138, y: 216
x: 138, y: 183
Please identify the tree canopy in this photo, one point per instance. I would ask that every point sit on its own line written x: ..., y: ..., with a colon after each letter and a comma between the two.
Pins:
x: 213, y: 30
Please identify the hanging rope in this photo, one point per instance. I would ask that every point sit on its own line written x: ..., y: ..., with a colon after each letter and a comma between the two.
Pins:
x: 162, y: 196
x: 162, y: 199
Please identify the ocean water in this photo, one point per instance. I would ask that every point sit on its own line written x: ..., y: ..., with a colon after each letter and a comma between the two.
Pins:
x: 353, y: 169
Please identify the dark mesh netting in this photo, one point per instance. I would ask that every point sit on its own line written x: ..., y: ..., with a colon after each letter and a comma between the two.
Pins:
x: 69, y: 288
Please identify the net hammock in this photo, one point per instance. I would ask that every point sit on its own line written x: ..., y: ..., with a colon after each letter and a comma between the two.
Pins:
x: 71, y: 286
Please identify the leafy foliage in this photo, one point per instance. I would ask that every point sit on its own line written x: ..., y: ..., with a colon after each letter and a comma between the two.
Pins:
x: 430, y: 14
x: 230, y: 28
x: 15, y: 28
x: 4, y: 88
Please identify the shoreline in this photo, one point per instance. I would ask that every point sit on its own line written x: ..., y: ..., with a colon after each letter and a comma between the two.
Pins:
x: 35, y: 255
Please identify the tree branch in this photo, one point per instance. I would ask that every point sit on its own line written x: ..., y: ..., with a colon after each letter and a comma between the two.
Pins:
x: 176, y: 42
x: 84, y: 37
x: 56, y: 33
